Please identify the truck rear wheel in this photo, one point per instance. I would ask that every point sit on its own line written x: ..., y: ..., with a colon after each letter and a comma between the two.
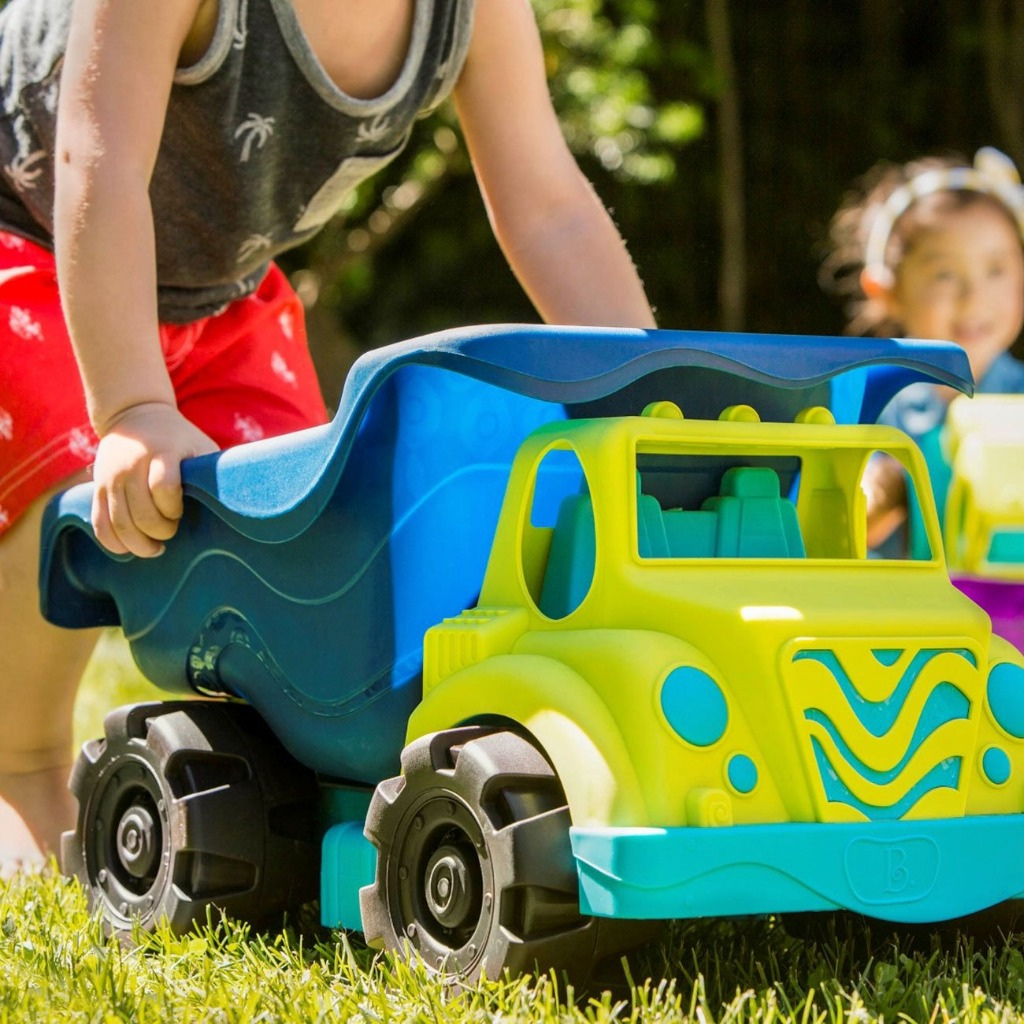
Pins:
x: 475, y: 873
x: 191, y: 805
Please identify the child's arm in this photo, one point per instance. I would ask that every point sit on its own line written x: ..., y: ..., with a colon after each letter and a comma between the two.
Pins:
x: 115, y: 84
x: 558, y: 238
x: 885, y: 487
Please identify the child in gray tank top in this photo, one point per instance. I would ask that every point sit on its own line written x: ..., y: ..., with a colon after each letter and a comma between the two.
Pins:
x: 154, y: 159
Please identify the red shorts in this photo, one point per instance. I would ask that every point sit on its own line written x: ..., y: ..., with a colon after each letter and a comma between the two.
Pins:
x: 240, y: 375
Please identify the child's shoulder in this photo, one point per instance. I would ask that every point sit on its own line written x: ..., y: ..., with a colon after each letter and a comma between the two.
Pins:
x: 1005, y: 376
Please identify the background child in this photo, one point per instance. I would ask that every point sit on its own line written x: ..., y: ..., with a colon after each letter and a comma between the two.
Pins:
x: 155, y: 158
x: 932, y: 249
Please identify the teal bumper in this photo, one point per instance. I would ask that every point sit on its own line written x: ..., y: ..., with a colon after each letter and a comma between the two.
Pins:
x: 908, y: 871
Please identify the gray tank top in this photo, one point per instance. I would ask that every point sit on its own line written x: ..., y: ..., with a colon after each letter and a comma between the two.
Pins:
x: 259, y: 147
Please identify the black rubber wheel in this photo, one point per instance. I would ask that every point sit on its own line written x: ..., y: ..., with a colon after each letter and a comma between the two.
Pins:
x: 475, y: 873
x: 191, y: 805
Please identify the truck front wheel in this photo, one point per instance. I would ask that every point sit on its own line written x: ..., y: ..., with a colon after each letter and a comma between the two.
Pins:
x: 475, y: 873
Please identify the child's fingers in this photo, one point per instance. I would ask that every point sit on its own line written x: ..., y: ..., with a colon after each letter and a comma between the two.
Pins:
x: 127, y: 520
x: 102, y: 526
x: 114, y: 528
x: 143, y: 514
x: 165, y: 487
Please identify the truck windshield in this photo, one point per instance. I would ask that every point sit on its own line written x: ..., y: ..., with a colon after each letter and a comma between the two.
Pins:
x: 809, y: 505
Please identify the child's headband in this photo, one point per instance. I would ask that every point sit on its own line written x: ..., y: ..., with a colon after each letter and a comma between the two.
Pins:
x: 993, y: 174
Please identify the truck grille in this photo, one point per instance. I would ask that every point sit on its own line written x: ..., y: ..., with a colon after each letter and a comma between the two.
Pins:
x: 887, y: 731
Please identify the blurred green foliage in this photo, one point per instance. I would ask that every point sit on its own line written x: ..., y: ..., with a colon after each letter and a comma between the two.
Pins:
x: 826, y: 88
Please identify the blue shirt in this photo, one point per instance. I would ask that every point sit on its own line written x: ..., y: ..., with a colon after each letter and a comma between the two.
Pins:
x: 918, y: 408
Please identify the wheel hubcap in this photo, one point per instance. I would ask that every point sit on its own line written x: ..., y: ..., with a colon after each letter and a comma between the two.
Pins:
x: 136, y: 842
x: 440, y: 876
x: 452, y: 895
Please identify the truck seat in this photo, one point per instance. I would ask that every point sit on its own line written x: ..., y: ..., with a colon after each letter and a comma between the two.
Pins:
x: 748, y: 519
x: 753, y: 520
x: 571, y: 559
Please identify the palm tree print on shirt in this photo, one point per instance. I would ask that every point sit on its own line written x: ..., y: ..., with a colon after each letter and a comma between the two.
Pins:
x: 251, y: 247
x: 254, y: 131
x: 24, y: 171
x: 375, y: 130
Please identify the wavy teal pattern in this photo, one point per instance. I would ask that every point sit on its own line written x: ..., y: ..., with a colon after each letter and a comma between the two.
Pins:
x: 946, y: 703
x: 945, y: 775
x: 887, y: 656
x: 878, y: 717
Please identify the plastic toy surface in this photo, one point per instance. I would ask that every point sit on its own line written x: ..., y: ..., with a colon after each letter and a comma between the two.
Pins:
x: 660, y: 676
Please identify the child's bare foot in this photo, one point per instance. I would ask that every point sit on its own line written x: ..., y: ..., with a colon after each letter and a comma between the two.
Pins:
x: 35, y: 808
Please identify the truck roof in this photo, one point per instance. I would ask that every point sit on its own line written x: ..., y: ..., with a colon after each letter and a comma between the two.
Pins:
x: 272, y: 489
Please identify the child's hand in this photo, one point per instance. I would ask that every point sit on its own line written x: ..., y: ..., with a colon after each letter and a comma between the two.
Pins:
x: 138, y: 501
x: 885, y: 487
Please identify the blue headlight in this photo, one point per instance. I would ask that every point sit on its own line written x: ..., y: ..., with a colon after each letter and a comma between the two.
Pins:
x: 1006, y: 697
x: 996, y: 765
x: 695, y: 706
x: 742, y: 773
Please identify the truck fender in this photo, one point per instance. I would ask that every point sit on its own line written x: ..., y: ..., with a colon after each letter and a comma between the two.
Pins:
x: 558, y: 708
x: 1000, y: 649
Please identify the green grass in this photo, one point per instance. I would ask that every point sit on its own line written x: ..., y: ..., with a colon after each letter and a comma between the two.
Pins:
x: 56, y: 964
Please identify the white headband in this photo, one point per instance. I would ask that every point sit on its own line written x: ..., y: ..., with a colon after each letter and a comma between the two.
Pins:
x: 993, y: 174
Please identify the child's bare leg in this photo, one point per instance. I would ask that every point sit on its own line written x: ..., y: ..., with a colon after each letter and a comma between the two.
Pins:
x: 40, y: 667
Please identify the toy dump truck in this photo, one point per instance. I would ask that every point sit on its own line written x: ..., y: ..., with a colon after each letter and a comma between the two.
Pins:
x: 552, y: 630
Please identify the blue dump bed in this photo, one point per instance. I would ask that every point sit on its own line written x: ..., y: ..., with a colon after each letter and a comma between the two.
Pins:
x: 307, y: 568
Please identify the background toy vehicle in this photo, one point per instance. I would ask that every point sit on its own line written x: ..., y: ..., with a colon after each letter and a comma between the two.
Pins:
x: 681, y: 687
x: 976, y: 464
